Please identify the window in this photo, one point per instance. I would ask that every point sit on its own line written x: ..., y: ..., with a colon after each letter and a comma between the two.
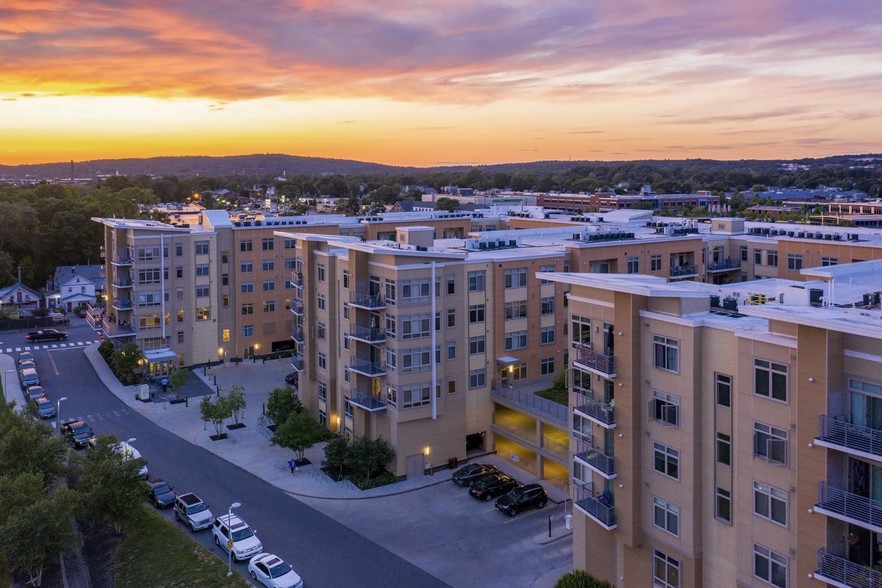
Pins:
x: 225, y: 301
x: 322, y: 360
x: 477, y: 281
x: 149, y: 298
x: 266, y: 244
x: 416, y: 290
x: 390, y: 326
x: 202, y: 291
x: 225, y: 279
x: 516, y: 310
x: 547, y: 305
x: 770, y: 443
x: 723, y: 505
x: 246, y: 267
x: 666, y: 516
x: 149, y: 276
x: 203, y: 313
x: 226, y: 336
x: 269, y: 306
x: 179, y: 249
x: 758, y: 256
x: 180, y: 316
x: 320, y: 302
x: 827, y: 261
x: 451, y: 386
x: 320, y: 272
x: 245, y: 245
x: 633, y: 265
x: 546, y: 268
x: 666, y: 460
x: 770, y: 503
x: 665, y: 570
x: 477, y: 345
x: 346, y: 278
x: 320, y: 330
x: 516, y: 340
x: 247, y: 330
x: 655, y: 263
x: 179, y: 271
x: 546, y: 335
x: 515, y: 278
x: 290, y: 243
x: 477, y: 378
x: 179, y: 293
x: 415, y: 326
x: 416, y: 395
x: 201, y: 247
x: 390, y: 291
x: 665, y: 408
x: 416, y: 360
x: 743, y: 250
x: 794, y: 261
x: 769, y: 566
x: 723, y: 390
x: 476, y: 313
x: 451, y: 285
x: 772, y: 258
x: 322, y: 389
x: 391, y: 359
x: 180, y: 336
x: 346, y: 310
x: 451, y: 350
x: 451, y: 317
x: 519, y: 372
x: 269, y: 285
x: 248, y: 308
x: 770, y: 379
x: 225, y: 257
x: 246, y: 287
x: 201, y: 269
x: 724, y: 449
x: 546, y: 366
x: 268, y: 265
x: 667, y: 353
x: 581, y: 329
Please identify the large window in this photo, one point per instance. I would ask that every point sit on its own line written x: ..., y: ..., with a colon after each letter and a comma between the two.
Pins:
x: 415, y: 395
x: 516, y: 310
x: 581, y: 330
x: 246, y: 267
x: 547, y: 305
x: 794, y: 261
x: 667, y: 353
x: 666, y: 516
x: 655, y: 263
x: 546, y: 335
x: 201, y: 247
x: 546, y: 366
x: 724, y: 449
x: 477, y: 345
x: 665, y: 408
x: 477, y: 281
x: 723, y: 505
x: 515, y: 278
x: 149, y: 275
x: 665, y: 570
x: 723, y: 389
x: 770, y: 503
x: 770, y: 443
x: 666, y: 460
x: 416, y: 360
x: 415, y: 326
x: 516, y: 340
x: 476, y: 313
x: 245, y: 245
x: 247, y: 331
x: 633, y: 265
x: 247, y: 308
x: 477, y: 378
x: 266, y: 244
x: 417, y: 290
x: 770, y: 379
x: 769, y: 566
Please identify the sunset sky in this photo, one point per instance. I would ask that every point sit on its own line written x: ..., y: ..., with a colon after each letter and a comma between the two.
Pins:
x: 440, y: 82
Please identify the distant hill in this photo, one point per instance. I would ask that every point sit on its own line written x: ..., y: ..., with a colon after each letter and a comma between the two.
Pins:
x: 275, y: 164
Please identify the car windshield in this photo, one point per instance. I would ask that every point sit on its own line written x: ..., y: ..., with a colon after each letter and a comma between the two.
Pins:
x: 243, y: 534
x: 516, y: 494
x: 197, y: 508
x: 162, y: 489
x: 279, y: 570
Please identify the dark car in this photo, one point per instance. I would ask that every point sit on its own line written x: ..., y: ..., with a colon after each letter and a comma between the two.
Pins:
x: 292, y: 379
x: 161, y: 494
x: 25, y: 356
x: 490, y: 487
x: 469, y: 473
x: 46, y: 335
x: 77, y: 432
x: 45, y: 408
x: 34, y: 392
x: 522, y: 497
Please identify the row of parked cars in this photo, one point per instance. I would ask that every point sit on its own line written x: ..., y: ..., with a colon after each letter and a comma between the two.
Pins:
x: 231, y: 534
x: 30, y: 385
x: 486, y: 482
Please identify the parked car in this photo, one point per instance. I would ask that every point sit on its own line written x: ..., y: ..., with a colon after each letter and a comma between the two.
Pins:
x: 34, y: 392
x: 469, y: 473
x: 522, y: 497
x: 28, y: 364
x: 77, y: 432
x: 29, y: 377
x: 45, y: 408
x: 130, y: 452
x: 190, y: 510
x: 161, y: 494
x: 490, y: 487
x: 25, y: 356
x: 232, y: 529
x: 292, y: 379
x: 272, y: 571
x: 46, y: 335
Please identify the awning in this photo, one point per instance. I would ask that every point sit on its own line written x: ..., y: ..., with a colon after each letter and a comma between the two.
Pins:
x: 507, y: 360
x: 160, y: 355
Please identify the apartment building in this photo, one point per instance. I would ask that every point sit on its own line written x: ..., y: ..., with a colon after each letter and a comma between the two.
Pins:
x: 720, y: 445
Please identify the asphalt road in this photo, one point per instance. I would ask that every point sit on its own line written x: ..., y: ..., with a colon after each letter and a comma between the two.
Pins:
x: 324, y: 552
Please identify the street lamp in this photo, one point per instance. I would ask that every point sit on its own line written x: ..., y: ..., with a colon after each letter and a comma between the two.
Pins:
x: 58, y: 413
x: 230, y: 538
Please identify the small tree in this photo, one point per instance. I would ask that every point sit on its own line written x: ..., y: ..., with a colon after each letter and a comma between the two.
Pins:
x: 235, y: 402
x: 178, y: 378
x: 448, y: 204
x: 112, y: 492
x: 281, y: 403
x: 215, y: 412
x: 580, y: 579
x: 335, y: 453
x: 367, y: 458
x: 125, y: 361
x: 298, y: 433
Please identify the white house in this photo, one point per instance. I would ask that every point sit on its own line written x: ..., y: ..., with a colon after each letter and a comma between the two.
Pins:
x: 73, y: 285
x: 19, y: 299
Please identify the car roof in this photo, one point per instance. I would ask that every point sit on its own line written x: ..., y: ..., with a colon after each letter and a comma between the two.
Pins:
x: 189, y: 498
x: 43, y: 401
x: 531, y: 486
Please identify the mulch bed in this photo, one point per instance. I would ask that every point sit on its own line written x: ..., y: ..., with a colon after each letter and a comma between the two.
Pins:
x: 218, y: 437
x: 236, y: 426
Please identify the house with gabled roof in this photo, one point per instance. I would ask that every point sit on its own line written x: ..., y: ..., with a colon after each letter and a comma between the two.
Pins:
x: 18, y: 299
x: 74, y: 285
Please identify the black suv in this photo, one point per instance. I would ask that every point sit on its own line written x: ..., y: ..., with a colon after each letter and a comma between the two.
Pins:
x: 522, y: 497
x: 77, y: 432
x: 490, y: 487
x: 469, y: 473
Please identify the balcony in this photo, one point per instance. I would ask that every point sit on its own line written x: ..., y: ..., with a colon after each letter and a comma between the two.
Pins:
x: 534, y: 405
x: 837, y: 433
x: 373, y: 369
x: 602, y: 413
x: 682, y: 272
x: 598, y: 509
x: 603, y: 464
x: 297, y: 362
x: 372, y: 335
x: 594, y: 362
x: 122, y: 262
x: 842, y: 573
x: 297, y: 334
x: 297, y: 307
x: 849, y: 507
x: 125, y: 304
x: 367, y: 402
x: 297, y: 280
x: 367, y: 301
x: 122, y: 283
x: 724, y: 265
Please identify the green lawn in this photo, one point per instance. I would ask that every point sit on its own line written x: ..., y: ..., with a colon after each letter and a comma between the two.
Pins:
x: 156, y: 552
x: 560, y: 396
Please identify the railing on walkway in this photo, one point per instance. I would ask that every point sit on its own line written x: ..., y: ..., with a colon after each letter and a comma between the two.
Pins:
x: 532, y: 402
x: 839, y: 432
x: 838, y: 570
x: 849, y: 505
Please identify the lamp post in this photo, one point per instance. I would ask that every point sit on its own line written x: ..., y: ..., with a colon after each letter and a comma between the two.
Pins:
x: 230, y: 538
x: 58, y: 413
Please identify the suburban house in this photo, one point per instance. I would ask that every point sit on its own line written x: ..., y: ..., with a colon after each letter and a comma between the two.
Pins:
x: 19, y: 299
x: 74, y: 285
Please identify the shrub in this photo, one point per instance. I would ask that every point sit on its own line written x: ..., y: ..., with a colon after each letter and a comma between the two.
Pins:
x: 580, y: 579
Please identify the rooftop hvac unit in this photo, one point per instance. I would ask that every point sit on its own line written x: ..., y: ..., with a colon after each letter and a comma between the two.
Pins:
x: 730, y: 304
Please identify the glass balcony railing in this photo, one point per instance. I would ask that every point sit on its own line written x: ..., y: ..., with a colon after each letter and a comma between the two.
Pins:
x: 599, y: 509
x: 838, y: 571
x: 603, y: 464
x: 684, y: 271
x: 297, y: 334
x: 838, y: 433
x: 372, y: 335
x: 373, y: 369
x: 367, y: 402
x: 367, y: 301
x: 297, y: 362
x: 849, y: 507
x: 587, y: 358
x: 724, y: 265
x: 602, y: 413
x: 297, y: 307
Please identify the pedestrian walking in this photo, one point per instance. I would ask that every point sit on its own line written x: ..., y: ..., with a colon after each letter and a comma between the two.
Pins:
x: 293, y: 465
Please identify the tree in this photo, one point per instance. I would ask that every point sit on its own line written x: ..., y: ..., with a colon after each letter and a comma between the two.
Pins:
x: 367, y: 458
x: 298, y: 433
x: 281, y: 403
x: 336, y: 451
x: 235, y: 401
x: 580, y: 579
x: 215, y: 412
x: 125, y: 361
x: 448, y: 204
x: 178, y: 378
x: 112, y: 492
x: 28, y: 446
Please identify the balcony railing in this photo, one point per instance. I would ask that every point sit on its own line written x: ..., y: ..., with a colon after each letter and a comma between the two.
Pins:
x: 533, y: 403
x: 367, y: 402
x: 374, y: 369
x: 297, y: 334
x: 297, y: 280
x: 367, y: 301
x: 122, y: 304
x: 724, y: 265
x: 602, y: 413
x: 593, y: 361
x: 603, y: 464
x: 597, y: 508
x: 684, y: 271
x: 837, y: 433
x: 841, y: 572
x: 122, y: 283
x: 297, y: 307
x: 122, y: 261
x: 297, y: 362
x: 370, y: 335
x: 849, y: 507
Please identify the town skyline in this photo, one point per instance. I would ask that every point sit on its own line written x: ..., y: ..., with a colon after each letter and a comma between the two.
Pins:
x: 440, y: 84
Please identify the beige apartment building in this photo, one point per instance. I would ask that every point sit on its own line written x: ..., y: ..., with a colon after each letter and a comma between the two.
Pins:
x: 717, y: 446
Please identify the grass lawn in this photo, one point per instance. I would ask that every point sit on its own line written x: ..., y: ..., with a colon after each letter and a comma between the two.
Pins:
x: 555, y: 395
x: 156, y: 552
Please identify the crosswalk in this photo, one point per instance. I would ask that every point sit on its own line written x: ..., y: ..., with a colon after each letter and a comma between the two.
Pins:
x: 46, y: 346
x: 100, y: 416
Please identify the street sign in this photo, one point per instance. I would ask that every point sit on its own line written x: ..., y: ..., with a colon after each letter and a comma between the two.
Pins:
x: 230, y: 544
